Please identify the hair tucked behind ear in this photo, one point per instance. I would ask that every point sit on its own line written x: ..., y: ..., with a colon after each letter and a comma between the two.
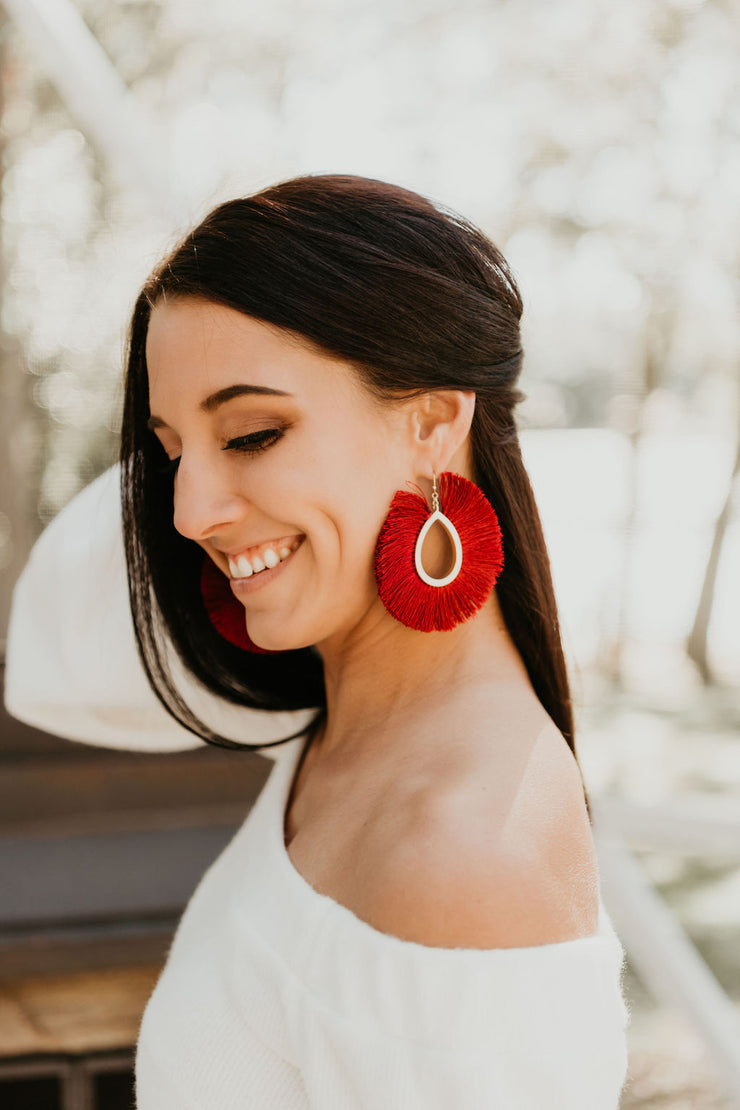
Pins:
x: 416, y: 298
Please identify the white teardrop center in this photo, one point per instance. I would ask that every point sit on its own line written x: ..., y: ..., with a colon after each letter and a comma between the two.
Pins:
x: 451, y: 530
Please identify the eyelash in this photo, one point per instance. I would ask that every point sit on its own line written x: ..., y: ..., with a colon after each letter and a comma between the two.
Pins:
x: 248, y: 445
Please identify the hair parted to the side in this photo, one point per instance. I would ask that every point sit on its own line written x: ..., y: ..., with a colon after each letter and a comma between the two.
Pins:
x: 416, y: 298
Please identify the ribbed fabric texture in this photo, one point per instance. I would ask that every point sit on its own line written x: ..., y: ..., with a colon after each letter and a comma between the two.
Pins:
x: 276, y: 997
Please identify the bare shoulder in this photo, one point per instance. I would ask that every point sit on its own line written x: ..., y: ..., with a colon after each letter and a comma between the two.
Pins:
x: 503, y: 858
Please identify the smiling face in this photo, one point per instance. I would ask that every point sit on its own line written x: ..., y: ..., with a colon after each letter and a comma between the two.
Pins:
x: 295, y: 477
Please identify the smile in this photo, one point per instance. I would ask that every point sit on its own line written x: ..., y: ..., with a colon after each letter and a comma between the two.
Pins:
x: 255, y: 560
x: 247, y: 584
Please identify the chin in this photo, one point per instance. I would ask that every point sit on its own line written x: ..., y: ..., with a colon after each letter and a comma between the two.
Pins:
x: 278, y: 643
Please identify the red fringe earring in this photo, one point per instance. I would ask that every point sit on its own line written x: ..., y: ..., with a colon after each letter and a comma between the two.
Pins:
x: 226, y: 613
x: 407, y: 591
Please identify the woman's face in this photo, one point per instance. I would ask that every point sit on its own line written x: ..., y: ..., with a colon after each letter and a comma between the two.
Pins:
x: 309, y: 486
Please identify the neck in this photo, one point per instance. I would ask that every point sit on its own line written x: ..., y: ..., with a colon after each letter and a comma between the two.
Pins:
x: 382, y: 676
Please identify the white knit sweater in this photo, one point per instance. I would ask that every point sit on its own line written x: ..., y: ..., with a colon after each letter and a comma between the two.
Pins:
x: 273, y: 996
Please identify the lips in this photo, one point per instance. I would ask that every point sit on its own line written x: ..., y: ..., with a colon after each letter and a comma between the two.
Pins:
x: 254, y: 560
x: 242, y: 587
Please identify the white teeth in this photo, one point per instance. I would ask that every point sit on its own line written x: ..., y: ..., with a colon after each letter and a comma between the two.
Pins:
x: 244, y: 568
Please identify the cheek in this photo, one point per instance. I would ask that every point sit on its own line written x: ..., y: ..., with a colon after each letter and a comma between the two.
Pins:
x: 337, y: 495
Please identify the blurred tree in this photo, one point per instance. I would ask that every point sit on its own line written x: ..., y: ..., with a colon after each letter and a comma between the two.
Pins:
x: 696, y: 645
x: 19, y: 446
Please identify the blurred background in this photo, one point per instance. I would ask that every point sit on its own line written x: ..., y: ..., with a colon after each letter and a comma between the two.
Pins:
x: 598, y: 145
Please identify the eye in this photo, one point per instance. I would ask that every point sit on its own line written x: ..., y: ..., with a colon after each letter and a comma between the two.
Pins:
x: 168, y: 467
x: 249, y: 444
x: 256, y: 441
x: 165, y: 466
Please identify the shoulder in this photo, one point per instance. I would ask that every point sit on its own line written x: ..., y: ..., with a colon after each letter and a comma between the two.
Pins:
x: 505, y: 858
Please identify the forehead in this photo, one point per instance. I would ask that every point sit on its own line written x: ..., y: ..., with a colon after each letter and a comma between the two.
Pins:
x: 196, y: 345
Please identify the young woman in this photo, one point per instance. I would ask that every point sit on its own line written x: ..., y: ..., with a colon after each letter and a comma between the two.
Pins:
x: 325, y: 509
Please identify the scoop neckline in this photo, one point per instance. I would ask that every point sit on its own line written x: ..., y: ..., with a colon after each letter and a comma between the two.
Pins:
x: 328, y: 908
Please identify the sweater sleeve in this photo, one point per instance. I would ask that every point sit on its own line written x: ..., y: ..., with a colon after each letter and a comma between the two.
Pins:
x: 514, y: 1029
x: 72, y: 664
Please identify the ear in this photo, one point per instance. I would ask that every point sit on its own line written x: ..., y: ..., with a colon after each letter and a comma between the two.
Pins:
x: 440, y: 422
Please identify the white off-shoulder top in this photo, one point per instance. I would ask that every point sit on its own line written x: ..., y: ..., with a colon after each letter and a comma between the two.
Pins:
x: 274, y: 996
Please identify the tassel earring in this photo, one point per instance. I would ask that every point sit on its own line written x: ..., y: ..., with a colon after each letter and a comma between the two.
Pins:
x: 225, y: 612
x: 411, y: 595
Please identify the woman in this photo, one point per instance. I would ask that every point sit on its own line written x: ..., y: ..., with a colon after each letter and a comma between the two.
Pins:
x: 324, y: 497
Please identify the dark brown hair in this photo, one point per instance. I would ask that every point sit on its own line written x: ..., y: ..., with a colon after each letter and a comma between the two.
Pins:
x: 415, y: 298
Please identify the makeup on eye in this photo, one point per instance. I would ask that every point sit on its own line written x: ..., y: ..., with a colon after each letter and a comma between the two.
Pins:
x: 249, y: 444
x: 255, y: 441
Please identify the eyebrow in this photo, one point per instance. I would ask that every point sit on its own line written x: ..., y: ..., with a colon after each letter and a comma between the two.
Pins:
x: 221, y: 396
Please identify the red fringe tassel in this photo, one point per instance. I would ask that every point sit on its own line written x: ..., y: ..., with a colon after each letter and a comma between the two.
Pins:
x: 406, y: 596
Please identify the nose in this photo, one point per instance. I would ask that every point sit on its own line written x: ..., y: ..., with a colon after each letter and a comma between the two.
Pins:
x: 205, y: 504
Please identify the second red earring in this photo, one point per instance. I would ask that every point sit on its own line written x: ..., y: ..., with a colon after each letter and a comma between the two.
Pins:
x: 225, y: 612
